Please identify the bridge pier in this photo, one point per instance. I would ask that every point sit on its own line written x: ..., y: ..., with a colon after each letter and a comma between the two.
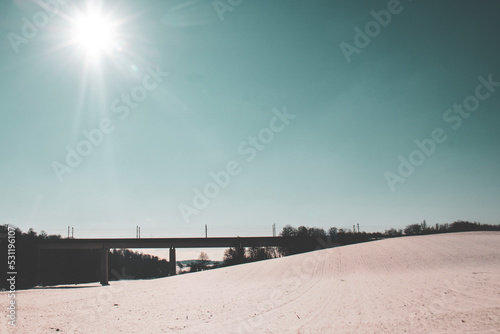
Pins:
x: 104, y: 266
x: 172, y: 264
x: 38, y: 266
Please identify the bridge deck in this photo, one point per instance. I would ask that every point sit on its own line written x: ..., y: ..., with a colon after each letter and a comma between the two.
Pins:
x: 161, y: 243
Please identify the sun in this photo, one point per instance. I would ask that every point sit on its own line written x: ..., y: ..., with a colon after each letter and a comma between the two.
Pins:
x: 94, y: 34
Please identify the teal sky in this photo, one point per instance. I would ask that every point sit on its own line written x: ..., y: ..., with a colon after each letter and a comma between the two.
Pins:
x: 325, y: 168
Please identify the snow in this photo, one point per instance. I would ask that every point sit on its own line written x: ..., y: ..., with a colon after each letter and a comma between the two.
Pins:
x: 445, y: 283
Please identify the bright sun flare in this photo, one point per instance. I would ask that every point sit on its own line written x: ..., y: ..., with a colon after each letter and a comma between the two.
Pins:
x: 94, y: 34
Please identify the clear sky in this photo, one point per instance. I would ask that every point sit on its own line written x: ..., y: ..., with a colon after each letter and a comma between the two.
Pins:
x: 115, y: 115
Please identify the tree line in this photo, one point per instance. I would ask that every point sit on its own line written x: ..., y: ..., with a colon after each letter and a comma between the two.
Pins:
x: 83, y: 266
x: 305, y: 239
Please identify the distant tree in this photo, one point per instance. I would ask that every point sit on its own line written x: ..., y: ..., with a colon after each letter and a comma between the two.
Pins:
x: 262, y: 253
x: 302, y: 231
x: 289, y: 231
x: 194, y: 267
x: 315, y: 232
x: 392, y: 232
x: 203, y: 259
x: 424, y: 228
x: 272, y: 252
x: 234, y: 255
x: 332, y: 233
x: 413, y: 229
x: 31, y: 234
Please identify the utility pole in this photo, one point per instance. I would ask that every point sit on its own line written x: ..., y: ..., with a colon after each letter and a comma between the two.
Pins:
x: 206, y: 231
x: 139, y: 232
x: 68, y: 232
x: 353, y: 228
x: 72, y: 233
x: 274, y: 230
x: 358, y: 227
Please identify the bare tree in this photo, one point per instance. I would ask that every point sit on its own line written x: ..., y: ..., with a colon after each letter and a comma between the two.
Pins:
x: 203, y: 258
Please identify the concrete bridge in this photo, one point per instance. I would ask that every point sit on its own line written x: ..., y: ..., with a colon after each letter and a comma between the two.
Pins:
x: 172, y: 243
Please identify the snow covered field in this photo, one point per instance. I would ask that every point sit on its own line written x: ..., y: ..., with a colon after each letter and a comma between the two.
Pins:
x: 447, y: 283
